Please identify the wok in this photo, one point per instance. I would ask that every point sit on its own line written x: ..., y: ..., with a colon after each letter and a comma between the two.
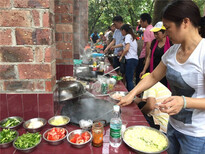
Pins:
x: 69, y: 89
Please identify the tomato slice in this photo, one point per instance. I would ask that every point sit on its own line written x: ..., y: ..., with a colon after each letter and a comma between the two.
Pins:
x: 86, y: 136
x: 62, y: 131
x: 73, y: 140
x: 80, y: 140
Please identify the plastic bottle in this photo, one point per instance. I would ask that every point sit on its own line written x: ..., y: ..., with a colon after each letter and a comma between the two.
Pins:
x: 115, y: 127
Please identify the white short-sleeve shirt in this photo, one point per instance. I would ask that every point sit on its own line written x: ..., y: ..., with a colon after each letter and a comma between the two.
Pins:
x: 187, y: 79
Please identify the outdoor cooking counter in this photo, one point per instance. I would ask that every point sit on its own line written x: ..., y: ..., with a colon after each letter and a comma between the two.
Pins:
x: 131, y: 114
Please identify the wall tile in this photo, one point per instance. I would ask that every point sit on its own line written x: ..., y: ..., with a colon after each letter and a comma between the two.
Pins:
x: 46, y: 106
x: 3, y: 107
x: 30, y: 106
x: 15, y: 106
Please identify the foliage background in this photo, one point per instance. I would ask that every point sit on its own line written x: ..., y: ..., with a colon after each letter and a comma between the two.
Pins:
x: 101, y: 12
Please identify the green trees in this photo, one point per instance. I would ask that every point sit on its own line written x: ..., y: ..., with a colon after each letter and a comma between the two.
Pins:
x: 101, y: 12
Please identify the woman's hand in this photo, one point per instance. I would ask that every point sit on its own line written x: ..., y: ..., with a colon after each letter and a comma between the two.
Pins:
x: 120, y: 58
x: 142, y: 73
x: 172, y: 105
x: 126, y: 100
x: 112, y: 48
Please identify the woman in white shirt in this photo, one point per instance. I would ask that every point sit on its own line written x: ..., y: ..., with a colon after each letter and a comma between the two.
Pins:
x: 130, y: 54
x: 184, y: 66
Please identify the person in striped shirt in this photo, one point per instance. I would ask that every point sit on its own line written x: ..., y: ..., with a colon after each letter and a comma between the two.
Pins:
x: 152, y: 97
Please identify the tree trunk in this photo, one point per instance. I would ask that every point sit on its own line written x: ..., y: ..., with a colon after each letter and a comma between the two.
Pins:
x: 158, y: 8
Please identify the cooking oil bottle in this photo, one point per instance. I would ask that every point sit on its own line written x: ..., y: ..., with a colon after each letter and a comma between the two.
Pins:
x: 115, y: 127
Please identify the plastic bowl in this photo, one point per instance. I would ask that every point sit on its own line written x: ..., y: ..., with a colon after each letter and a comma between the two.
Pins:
x: 78, y: 131
x: 37, y: 129
x: 28, y: 150
x: 12, y: 127
x: 8, y: 144
x: 56, y: 117
x: 57, y: 142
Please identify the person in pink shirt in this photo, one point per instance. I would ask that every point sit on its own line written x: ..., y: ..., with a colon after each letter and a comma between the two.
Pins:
x: 145, y: 21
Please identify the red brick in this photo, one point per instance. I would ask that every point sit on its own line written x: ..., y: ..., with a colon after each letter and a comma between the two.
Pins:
x: 7, y: 72
x: 66, y: 1
x: 34, y: 71
x: 5, y: 4
x: 70, y: 10
x: 63, y: 46
x: 5, y: 37
x: 66, y: 54
x: 43, y: 36
x: 68, y: 28
x: 39, y: 85
x: 15, y: 18
x: 61, y: 8
x: 46, y: 21
x: 58, y: 54
x: 31, y: 3
x: 68, y: 37
x: 64, y: 61
x: 25, y: 36
x: 48, y: 85
x: 33, y: 37
x: 49, y: 54
x: 66, y: 18
x: 57, y: 19
x: 18, y: 86
x: 59, y: 37
x: 16, y: 54
x: 39, y: 54
x: 36, y: 17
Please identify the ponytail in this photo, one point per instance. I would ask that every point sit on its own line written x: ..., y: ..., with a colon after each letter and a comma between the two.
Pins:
x: 128, y: 30
x: 202, y: 27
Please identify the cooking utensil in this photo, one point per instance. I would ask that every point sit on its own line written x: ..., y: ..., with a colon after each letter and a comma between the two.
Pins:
x: 67, y: 119
x: 78, y: 131
x: 56, y: 142
x: 27, y: 150
x: 12, y: 127
x: 8, y: 144
x: 87, y: 108
x: 117, y: 93
x: 69, y: 90
x: 111, y: 71
x: 148, y: 132
x: 33, y: 130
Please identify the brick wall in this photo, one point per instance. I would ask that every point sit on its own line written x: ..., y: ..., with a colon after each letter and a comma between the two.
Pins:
x: 64, y: 31
x: 27, y: 46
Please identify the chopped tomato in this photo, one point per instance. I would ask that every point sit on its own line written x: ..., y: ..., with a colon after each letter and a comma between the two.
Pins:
x: 80, y: 140
x: 56, y: 134
x: 86, y: 136
x: 73, y: 140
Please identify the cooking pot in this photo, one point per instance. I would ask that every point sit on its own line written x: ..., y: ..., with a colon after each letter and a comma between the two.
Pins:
x: 69, y: 89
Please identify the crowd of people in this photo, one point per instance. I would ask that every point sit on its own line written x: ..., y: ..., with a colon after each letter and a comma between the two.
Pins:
x: 173, y: 93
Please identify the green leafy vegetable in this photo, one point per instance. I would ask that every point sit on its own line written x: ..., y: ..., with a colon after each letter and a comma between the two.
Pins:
x: 10, y: 122
x: 7, y: 135
x: 27, y: 140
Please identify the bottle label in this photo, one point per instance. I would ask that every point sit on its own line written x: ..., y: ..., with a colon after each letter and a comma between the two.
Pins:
x: 115, y: 133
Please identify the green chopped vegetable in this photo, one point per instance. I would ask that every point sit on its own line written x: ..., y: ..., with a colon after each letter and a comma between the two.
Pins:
x: 7, y: 135
x: 10, y: 122
x: 27, y: 140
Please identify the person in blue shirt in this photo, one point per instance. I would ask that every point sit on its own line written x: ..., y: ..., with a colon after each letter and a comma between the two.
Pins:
x: 94, y: 37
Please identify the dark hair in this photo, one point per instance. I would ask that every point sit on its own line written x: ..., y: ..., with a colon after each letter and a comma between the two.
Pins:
x: 118, y: 19
x: 109, y: 28
x: 146, y: 16
x: 177, y: 10
x: 128, y: 30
